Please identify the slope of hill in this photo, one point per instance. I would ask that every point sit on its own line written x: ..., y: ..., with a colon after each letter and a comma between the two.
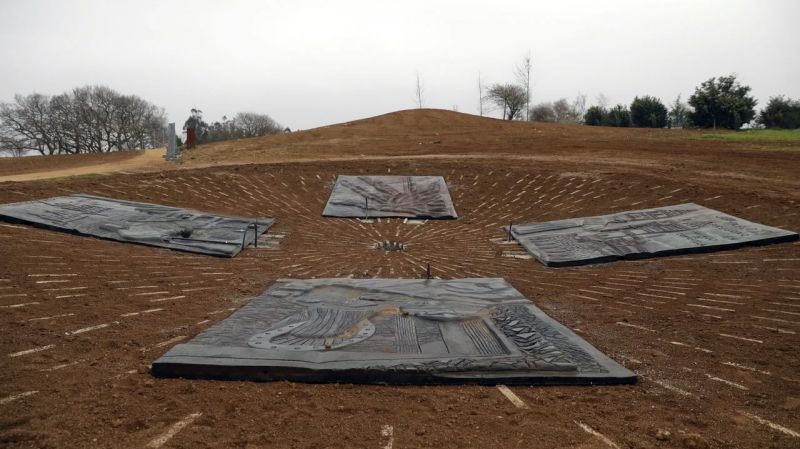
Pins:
x: 430, y: 133
x: 441, y: 134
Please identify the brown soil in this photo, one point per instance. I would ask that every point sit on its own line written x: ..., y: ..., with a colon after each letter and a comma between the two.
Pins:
x: 62, y: 166
x: 711, y: 376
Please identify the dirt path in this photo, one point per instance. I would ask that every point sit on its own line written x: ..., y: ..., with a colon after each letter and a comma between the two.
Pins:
x: 148, y: 160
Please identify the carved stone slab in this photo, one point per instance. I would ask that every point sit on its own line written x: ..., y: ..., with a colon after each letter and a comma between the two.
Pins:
x: 392, y: 331
x: 390, y: 196
x: 661, y: 231
x: 142, y: 223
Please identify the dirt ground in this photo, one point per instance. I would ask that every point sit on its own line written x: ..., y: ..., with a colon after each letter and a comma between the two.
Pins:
x: 713, y: 337
x: 53, y: 167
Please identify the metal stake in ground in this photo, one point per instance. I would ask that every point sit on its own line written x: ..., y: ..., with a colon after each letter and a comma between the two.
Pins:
x: 428, y: 272
x: 509, y: 230
x: 366, y: 207
x: 244, y: 235
x: 255, y: 236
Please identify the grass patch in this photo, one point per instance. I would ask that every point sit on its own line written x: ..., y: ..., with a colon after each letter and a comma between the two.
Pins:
x: 770, y: 135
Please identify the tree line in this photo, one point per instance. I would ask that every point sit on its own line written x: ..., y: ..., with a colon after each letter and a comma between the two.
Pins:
x: 719, y: 102
x: 89, y: 119
x: 242, y: 125
x: 98, y: 119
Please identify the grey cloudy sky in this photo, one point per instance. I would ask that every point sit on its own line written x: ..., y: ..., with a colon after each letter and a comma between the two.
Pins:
x: 313, y: 63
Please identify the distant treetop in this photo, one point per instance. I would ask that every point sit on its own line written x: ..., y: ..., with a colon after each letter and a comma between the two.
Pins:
x: 722, y: 102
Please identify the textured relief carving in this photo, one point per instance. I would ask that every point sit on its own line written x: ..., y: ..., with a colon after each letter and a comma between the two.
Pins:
x: 392, y: 331
x: 679, y: 229
x: 536, y: 337
x: 317, y: 328
x: 142, y: 223
x: 390, y: 196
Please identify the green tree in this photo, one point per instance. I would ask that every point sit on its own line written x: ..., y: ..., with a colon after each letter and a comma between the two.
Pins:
x: 722, y: 102
x: 679, y: 114
x: 594, y: 116
x: 619, y: 115
x: 781, y: 112
x: 196, y: 121
x: 648, y: 112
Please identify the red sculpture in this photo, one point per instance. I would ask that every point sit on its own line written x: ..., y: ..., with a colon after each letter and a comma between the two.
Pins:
x: 191, y: 138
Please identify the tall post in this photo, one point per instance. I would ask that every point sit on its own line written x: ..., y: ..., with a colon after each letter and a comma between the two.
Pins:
x: 172, y: 147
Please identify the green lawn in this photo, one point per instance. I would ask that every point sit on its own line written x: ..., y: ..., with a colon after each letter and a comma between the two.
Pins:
x: 773, y: 135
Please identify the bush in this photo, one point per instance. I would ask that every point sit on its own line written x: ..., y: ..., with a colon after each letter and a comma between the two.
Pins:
x: 781, y: 113
x: 619, y: 116
x: 648, y: 112
x: 594, y: 116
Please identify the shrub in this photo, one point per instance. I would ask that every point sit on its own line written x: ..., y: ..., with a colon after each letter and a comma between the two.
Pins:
x: 781, y: 112
x: 648, y: 112
x: 619, y: 116
x: 595, y: 116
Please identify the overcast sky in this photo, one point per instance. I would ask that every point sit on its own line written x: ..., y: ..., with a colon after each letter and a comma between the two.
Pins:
x: 313, y: 63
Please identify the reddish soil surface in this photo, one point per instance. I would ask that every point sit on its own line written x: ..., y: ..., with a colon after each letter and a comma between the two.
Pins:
x: 32, y: 164
x: 713, y: 337
x: 84, y: 165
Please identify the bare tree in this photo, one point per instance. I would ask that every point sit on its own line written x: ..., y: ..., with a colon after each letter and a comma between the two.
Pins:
x: 543, y: 112
x: 87, y: 119
x: 602, y: 101
x: 252, y: 124
x: 523, y: 74
x: 10, y: 145
x: 560, y: 111
x: 242, y: 125
x: 579, y: 106
x: 678, y: 116
x: 509, y: 97
x: 480, y: 95
x: 419, y: 93
x: 26, y: 125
